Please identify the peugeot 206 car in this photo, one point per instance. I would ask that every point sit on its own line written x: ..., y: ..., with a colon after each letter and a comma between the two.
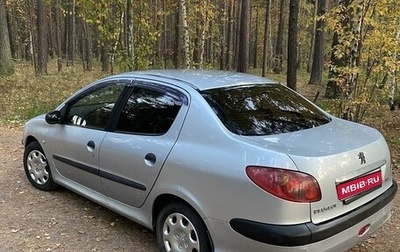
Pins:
x: 215, y: 161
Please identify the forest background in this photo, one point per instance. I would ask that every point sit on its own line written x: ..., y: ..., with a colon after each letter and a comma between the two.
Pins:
x: 346, y: 50
x: 341, y: 54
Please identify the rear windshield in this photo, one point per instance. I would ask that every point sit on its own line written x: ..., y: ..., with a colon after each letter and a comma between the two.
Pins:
x: 257, y: 110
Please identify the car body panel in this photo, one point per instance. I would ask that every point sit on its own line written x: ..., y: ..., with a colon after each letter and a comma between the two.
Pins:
x: 217, y: 176
x: 138, y: 158
x: 342, y: 241
x: 199, y: 161
x: 75, y: 152
x: 200, y: 79
x: 330, y: 153
x: 335, y: 137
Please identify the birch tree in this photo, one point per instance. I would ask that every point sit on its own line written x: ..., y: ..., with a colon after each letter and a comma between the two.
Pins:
x: 129, y: 34
x: 186, y: 39
x: 204, y: 29
x: 363, y: 53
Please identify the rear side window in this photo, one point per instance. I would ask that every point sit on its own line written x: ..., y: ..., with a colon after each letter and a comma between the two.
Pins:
x: 149, y: 111
x: 257, y: 110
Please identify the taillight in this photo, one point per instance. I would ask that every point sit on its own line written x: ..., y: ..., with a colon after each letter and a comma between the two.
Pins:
x: 285, y: 184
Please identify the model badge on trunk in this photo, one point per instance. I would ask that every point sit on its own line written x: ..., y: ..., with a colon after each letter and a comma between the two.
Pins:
x: 324, y: 209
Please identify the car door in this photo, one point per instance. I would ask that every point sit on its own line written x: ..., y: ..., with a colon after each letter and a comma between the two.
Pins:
x: 75, y: 142
x: 132, y: 156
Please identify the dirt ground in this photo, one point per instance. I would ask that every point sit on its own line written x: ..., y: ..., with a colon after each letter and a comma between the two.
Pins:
x: 32, y: 220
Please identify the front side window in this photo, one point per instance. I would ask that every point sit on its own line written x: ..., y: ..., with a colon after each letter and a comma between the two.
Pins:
x: 149, y: 111
x: 93, y: 109
x: 257, y: 110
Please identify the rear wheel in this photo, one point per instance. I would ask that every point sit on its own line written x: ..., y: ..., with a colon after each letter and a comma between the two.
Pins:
x: 179, y: 228
x: 36, y: 167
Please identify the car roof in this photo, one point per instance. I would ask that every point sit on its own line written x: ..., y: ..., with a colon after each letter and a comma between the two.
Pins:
x: 200, y: 79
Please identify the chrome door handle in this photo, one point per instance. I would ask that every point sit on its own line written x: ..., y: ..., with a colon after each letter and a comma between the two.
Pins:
x: 91, y: 146
x: 150, y: 159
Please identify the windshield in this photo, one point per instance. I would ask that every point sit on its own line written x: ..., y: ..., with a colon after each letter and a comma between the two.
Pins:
x: 263, y: 109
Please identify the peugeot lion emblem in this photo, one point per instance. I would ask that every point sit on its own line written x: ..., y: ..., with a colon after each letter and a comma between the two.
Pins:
x: 361, y: 156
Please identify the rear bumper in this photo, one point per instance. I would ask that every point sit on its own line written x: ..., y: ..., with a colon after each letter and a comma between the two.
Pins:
x: 307, y: 233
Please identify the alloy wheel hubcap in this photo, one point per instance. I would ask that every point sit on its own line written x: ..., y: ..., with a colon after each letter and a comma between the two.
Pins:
x: 37, y: 167
x: 179, y: 234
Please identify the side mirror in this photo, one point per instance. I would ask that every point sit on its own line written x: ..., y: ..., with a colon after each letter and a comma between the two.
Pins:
x: 53, y: 117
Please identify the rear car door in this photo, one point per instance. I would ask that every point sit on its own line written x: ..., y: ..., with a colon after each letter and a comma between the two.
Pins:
x: 75, y: 142
x: 132, y: 156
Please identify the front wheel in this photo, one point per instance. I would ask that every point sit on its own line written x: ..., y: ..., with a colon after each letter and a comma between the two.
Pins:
x: 179, y: 228
x: 36, y: 167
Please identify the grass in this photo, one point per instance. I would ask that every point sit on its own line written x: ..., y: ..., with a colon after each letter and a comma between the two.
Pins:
x: 25, y: 95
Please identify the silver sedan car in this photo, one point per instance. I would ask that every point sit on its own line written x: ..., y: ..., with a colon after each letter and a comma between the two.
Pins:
x: 215, y: 161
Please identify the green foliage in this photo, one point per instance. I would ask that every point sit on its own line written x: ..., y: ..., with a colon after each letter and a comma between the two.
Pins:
x: 146, y: 36
x: 366, y: 53
x: 363, y: 78
x: 109, y: 19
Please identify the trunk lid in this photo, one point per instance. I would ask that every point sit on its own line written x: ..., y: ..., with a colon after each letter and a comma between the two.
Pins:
x: 350, y: 161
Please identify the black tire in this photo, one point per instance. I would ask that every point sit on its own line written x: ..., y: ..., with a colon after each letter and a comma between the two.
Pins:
x: 37, y: 168
x: 180, y: 228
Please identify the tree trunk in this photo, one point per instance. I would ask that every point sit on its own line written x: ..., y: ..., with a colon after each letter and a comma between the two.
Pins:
x: 31, y: 52
x: 71, y: 33
x: 57, y: 17
x: 267, y: 31
x: 87, y: 46
x: 292, y: 45
x: 279, y: 40
x: 186, y: 40
x: 236, y: 46
x: 178, y: 43
x: 333, y: 88
x: 129, y: 34
x: 312, y: 40
x: 105, y: 57
x: 230, y: 35
x: 165, y: 54
x: 318, y: 56
x: 11, y: 33
x: 244, y: 38
x: 42, y: 51
x: 50, y: 30
x: 393, y: 85
x: 209, y: 49
x: 223, y: 26
x: 6, y: 63
x: 205, y: 24
x: 255, y: 47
